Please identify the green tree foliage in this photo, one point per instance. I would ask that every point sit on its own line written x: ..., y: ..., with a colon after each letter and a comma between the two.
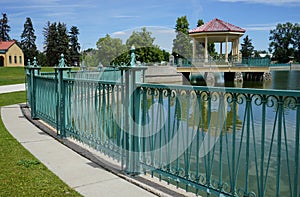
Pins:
x: 63, y: 41
x: 247, y: 48
x: 28, y: 40
x: 296, y: 41
x: 56, y: 43
x: 4, y: 28
x: 51, y: 50
x: 90, y: 58
x: 285, y: 42
x: 41, y: 58
x: 74, y: 46
x: 146, y: 50
x: 182, y: 46
x: 110, y: 50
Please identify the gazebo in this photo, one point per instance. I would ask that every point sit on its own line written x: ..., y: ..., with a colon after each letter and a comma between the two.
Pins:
x: 217, y: 31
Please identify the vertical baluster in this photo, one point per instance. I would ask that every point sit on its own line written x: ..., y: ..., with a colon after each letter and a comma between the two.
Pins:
x: 222, y: 126
x: 261, y: 188
x: 187, y: 133
x: 158, y: 123
x: 168, y: 140
x: 297, y: 135
x: 233, y: 175
x: 279, y: 128
x: 248, y: 114
x: 297, y: 149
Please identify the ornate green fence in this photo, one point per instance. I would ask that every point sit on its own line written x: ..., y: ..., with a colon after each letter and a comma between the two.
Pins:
x: 219, y: 141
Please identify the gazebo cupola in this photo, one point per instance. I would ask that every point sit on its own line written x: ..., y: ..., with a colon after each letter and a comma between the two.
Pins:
x: 217, y: 31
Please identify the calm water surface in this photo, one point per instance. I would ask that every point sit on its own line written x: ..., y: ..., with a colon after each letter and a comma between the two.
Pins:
x: 281, y: 80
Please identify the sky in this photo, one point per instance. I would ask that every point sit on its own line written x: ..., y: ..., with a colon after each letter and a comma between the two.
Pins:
x: 118, y: 18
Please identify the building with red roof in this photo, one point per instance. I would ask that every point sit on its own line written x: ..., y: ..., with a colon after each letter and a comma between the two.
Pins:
x: 218, y: 31
x: 11, y: 54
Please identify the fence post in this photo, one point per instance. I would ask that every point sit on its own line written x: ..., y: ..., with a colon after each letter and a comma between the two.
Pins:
x: 60, y: 73
x: 32, y: 71
x: 131, y: 115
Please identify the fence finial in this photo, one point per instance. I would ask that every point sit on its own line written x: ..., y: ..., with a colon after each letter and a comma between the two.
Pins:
x: 28, y: 63
x: 35, y: 62
x: 132, y: 59
x: 61, y: 61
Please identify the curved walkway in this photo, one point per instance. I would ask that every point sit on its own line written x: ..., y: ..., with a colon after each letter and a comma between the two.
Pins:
x: 84, y: 176
x: 12, y: 88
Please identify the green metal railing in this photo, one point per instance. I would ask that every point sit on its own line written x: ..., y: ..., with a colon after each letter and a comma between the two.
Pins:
x: 210, y: 141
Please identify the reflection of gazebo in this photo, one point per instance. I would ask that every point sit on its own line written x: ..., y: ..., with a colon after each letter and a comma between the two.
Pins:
x: 217, y: 31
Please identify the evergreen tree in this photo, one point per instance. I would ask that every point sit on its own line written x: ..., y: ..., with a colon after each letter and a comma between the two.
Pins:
x: 247, y: 48
x: 51, y: 49
x: 28, y: 40
x: 63, y: 41
x: 4, y: 28
x: 74, y: 46
x: 182, y: 46
x: 56, y: 43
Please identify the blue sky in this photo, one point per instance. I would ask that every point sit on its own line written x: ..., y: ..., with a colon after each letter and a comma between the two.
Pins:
x: 96, y: 18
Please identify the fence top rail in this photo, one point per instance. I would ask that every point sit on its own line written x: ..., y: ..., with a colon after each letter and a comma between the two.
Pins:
x: 93, y: 81
x: 45, y: 76
x: 294, y: 93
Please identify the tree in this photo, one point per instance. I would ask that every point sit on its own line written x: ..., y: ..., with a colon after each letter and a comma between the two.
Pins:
x: 90, y: 58
x: 247, y: 48
x: 110, y: 50
x: 296, y: 41
x: 182, y: 47
x: 74, y: 45
x: 282, y: 42
x: 4, y: 28
x: 51, y: 34
x: 28, y: 40
x: 56, y: 43
x: 63, y: 41
x: 145, y: 49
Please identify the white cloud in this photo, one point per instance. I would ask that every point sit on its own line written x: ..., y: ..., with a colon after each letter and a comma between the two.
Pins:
x: 260, y: 27
x: 270, y: 2
x: 119, y: 33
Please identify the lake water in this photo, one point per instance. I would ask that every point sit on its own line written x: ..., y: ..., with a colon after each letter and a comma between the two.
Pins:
x: 284, y: 80
x: 281, y: 80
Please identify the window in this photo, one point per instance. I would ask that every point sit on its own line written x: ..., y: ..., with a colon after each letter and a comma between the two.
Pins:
x: 20, y: 59
x: 10, y: 60
x: 15, y: 59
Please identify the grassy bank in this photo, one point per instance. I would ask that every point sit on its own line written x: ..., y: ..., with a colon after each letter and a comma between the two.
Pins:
x: 16, y: 75
x: 21, y: 174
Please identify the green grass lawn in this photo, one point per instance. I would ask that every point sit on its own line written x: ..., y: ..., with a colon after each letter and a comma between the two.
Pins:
x: 21, y: 174
x: 16, y: 75
x: 12, y: 75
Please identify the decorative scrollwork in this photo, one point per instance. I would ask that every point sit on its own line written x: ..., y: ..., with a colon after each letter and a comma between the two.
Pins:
x: 272, y: 101
x: 242, y: 98
x: 290, y: 102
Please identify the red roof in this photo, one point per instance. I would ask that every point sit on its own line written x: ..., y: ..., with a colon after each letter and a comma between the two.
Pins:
x: 5, y: 45
x: 217, y: 25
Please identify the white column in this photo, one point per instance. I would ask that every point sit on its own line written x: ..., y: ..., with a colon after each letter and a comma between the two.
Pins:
x: 238, y: 49
x: 221, y: 49
x: 194, y: 50
x: 205, y: 50
x: 226, y: 49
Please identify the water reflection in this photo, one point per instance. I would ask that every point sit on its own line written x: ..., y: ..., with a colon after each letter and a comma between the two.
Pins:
x: 283, y: 80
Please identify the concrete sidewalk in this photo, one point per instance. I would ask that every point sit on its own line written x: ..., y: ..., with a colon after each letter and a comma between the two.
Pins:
x: 12, y: 88
x: 84, y: 176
